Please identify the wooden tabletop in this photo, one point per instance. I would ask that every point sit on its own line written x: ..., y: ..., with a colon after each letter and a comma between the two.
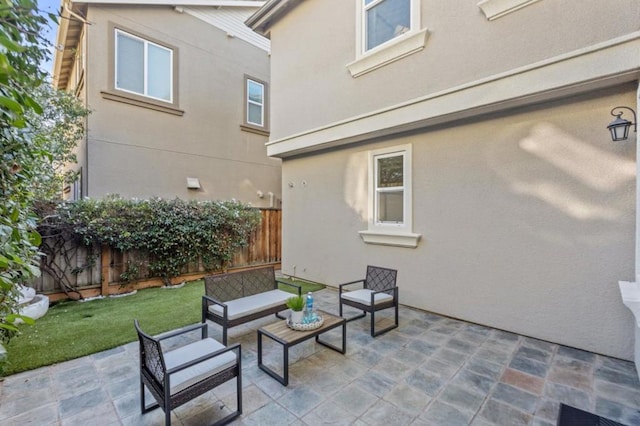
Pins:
x: 283, y: 333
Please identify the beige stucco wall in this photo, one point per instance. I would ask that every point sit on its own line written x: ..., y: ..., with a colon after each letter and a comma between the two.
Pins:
x: 315, y: 41
x: 527, y: 221
x: 140, y: 152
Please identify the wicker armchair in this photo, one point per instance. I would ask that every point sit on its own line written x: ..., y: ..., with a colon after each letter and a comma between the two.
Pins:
x: 179, y: 375
x: 378, y: 292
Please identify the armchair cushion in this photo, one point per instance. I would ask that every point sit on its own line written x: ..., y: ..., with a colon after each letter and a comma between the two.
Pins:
x: 191, y: 375
x: 363, y: 296
x: 251, y: 304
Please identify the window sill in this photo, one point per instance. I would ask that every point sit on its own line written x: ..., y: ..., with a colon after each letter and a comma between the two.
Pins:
x: 137, y: 101
x: 256, y: 130
x: 396, y: 49
x: 494, y: 9
x: 400, y: 239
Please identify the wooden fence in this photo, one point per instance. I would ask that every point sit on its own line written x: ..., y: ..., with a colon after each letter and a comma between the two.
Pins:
x: 106, y: 265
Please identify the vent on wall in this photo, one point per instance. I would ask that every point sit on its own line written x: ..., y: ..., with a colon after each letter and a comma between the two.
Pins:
x: 193, y: 183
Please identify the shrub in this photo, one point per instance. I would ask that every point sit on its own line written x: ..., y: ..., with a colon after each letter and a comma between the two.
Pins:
x: 173, y: 233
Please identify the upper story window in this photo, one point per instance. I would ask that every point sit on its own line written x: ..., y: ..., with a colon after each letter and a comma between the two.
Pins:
x: 143, y: 67
x: 256, y: 105
x: 385, y: 20
x: 390, y: 199
x: 386, y: 31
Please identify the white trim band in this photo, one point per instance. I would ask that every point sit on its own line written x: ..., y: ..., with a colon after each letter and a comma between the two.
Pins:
x: 612, y: 62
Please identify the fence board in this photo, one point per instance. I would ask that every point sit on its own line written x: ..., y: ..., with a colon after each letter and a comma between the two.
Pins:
x: 103, y: 276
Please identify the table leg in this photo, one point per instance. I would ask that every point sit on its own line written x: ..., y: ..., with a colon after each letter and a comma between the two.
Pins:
x: 342, y: 350
x: 282, y: 379
x: 285, y: 356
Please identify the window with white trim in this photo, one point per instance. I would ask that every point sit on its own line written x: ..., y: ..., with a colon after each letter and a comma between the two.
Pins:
x: 390, y: 198
x: 256, y: 106
x: 143, y: 67
x: 255, y: 103
x: 385, y: 20
x: 386, y: 31
x: 389, y: 188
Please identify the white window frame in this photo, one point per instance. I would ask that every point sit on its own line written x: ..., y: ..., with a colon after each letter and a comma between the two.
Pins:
x: 261, y: 105
x: 405, y: 44
x: 146, y: 63
x: 389, y: 233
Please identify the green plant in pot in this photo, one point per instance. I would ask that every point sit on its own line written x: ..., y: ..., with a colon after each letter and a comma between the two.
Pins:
x: 296, y: 304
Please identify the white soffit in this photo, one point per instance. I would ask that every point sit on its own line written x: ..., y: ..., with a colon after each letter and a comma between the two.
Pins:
x: 612, y: 62
x: 231, y: 20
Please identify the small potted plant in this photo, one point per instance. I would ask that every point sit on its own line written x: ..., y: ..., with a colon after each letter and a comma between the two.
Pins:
x: 296, y: 304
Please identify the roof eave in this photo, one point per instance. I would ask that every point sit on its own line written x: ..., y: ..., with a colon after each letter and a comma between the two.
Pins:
x: 267, y: 15
x: 60, y: 41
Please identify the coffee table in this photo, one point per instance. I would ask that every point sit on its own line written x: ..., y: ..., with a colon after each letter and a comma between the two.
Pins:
x: 281, y: 333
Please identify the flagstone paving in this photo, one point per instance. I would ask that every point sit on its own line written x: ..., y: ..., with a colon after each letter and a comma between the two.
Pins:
x: 432, y: 370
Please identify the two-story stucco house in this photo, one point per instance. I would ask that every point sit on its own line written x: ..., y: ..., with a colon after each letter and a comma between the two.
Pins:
x: 465, y: 144
x: 179, y: 99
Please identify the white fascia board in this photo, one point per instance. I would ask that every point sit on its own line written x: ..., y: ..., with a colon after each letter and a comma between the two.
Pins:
x: 261, y: 20
x: 58, y: 54
x: 215, y: 3
x: 602, y: 65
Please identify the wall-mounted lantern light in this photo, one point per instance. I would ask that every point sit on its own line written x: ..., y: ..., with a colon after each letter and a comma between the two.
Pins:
x: 619, y: 127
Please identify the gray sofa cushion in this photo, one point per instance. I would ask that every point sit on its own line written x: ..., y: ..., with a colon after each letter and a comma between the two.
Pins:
x: 251, y: 304
x: 191, y: 375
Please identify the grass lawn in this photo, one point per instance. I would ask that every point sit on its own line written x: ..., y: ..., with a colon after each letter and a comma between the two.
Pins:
x: 73, y: 329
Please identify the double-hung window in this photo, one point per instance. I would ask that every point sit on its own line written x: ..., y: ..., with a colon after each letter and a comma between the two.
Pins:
x: 255, y: 103
x: 256, y: 106
x: 390, y: 198
x: 143, y: 67
x: 389, y: 188
x: 386, y: 31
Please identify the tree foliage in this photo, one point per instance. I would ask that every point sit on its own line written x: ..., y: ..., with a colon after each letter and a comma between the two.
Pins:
x: 22, y: 50
x: 55, y: 133
x: 174, y: 233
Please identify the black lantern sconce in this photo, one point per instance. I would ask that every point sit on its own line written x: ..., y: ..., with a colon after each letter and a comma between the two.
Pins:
x: 619, y: 127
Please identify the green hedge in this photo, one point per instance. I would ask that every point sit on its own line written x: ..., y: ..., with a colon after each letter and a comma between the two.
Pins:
x: 173, y: 233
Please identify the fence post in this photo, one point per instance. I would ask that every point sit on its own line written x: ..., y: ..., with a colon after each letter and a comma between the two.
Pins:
x: 105, y: 263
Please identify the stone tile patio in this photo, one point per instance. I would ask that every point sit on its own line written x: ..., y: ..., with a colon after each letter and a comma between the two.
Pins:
x: 431, y: 371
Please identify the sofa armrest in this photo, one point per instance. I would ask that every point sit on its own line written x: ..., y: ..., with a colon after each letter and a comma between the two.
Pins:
x: 296, y: 286
x: 394, y: 289
x: 208, y: 301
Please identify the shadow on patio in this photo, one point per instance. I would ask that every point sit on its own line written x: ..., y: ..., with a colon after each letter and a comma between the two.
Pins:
x: 432, y: 370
